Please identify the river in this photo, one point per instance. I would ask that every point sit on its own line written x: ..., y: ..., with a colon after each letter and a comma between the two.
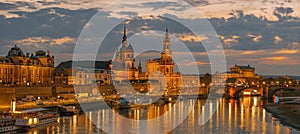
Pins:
x: 232, y: 116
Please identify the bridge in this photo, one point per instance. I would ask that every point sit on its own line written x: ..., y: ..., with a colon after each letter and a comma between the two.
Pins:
x: 264, y: 91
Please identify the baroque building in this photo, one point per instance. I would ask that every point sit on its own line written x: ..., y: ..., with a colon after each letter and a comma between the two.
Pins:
x: 165, y: 66
x: 19, y: 69
x: 123, y: 63
x: 124, y: 69
x: 237, y: 75
x: 83, y: 73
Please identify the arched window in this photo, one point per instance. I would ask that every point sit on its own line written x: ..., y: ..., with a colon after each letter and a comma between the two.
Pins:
x: 167, y: 70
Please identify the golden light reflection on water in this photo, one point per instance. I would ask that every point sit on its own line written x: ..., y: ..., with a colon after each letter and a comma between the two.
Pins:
x: 232, y: 116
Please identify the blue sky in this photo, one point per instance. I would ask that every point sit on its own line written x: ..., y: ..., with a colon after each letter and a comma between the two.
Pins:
x: 264, y: 34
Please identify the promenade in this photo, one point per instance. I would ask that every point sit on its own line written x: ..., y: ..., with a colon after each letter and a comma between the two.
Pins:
x: 288, y: 114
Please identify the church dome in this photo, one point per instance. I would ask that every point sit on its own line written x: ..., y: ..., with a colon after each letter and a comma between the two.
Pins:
x: 15, y: 51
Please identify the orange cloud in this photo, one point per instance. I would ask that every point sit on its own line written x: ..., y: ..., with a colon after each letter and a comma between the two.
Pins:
x: 45, y: 40
x: 249, y: 52
x: 32, y: 40
x: 201, y: 63
x: 192, y: 38
x: 61, y: 41
x: 277, y: 39
x: 229, y: 41
x: 235, y: 37
x: 276, y: 58
x: 257, y: 38
x: 286, y: 52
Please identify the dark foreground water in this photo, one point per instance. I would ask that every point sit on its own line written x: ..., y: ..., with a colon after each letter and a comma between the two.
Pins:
x: 232, y: 116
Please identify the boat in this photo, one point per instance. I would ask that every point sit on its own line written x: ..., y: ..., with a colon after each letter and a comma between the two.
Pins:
x: 7, y: 124
x: 67, y: 110
x: 34, y: 117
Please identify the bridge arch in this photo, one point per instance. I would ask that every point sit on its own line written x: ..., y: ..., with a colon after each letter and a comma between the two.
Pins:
x: 239, y: 91
x: 275, y: 90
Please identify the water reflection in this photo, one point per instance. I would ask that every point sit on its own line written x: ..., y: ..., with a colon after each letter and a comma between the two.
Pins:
x: 232, y: 116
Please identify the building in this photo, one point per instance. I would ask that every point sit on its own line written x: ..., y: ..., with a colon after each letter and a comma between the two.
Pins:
x: 237, y: 75
x: 123, y: 63
x: 83, y: 73
x: 190, y: 80
x: 19, y: 69
x: 165, y: 66
x: 243, y: 71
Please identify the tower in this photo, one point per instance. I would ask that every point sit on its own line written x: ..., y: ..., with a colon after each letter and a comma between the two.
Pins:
x: 166, y: 52
x: 166, y: 56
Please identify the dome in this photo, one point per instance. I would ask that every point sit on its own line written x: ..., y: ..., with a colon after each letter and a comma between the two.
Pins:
x: 15, y: 51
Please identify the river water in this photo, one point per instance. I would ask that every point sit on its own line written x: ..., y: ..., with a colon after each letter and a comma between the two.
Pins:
x: 232, y: 116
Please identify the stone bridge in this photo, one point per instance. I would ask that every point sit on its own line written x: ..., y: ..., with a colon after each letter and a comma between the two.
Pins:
x: 265, y: 91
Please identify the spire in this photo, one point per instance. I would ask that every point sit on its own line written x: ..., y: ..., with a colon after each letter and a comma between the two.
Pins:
x: 167, y: 34
x: 140, y: 67
x: 166, y: 47
x: 124, y: 36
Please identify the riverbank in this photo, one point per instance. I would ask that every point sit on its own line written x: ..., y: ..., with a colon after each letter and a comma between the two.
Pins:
x: 288, y: 114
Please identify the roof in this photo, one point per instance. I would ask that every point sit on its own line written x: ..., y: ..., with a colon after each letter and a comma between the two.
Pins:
x: 95, y: 65
x: 33, y: 110
x: 244, y: 67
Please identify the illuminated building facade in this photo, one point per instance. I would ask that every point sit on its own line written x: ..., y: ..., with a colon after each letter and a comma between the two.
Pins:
x: 123, y: 63
x: 165, y: 66
x: 237, y: 75
x: 19, y: 69
x: 83, y: 73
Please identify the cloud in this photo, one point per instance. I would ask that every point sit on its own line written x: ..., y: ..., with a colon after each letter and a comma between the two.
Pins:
x: 192, y: 38
x: 37, y: 41
x: 165, y: 4
x: 7, y: 6
x: 197, y: 2
x: 229, y: 41
x: 286, y: 51
x: 235, y: 37
x: 64, y: 40
x: 277, y: 39
x: 255, y: 38
x: 277, y: 58
x: 249, y: 52
x: 201, y: 63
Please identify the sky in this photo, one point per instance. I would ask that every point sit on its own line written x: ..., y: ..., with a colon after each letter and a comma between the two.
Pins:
x: 264, y: 34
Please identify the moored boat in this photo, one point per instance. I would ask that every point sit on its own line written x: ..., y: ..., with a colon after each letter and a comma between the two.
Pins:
x: 34, y: 117
x: 7, y: 124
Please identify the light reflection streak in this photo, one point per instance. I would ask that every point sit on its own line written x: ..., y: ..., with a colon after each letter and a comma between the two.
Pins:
x: 231, y: 116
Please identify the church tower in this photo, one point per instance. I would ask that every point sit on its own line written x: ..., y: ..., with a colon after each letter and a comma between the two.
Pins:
x: 126, y: 52
x: 166, y: 52
x: 166, y: 56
